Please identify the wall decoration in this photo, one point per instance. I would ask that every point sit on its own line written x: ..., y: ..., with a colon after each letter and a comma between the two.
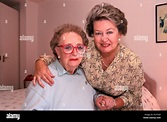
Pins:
x: 161, y: 22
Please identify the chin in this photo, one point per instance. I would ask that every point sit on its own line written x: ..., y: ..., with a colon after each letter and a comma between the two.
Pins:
x: 106, y: 51
x: 74, y: 65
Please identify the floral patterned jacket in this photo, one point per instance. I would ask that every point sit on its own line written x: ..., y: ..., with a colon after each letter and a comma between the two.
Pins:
x: 123, y: 78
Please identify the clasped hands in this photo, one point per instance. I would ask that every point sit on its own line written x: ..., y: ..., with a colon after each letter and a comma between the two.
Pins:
x: 104, y: 102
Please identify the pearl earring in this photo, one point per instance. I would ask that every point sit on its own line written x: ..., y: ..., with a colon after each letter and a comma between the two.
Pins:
x: 119, y: 39
x: 58, y: 57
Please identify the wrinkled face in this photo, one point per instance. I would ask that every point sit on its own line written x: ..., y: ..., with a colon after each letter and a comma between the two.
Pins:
x: 72, y: 59
x: 106, y: 36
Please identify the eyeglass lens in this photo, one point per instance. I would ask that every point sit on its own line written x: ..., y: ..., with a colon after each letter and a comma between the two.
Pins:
x: 68, y: 48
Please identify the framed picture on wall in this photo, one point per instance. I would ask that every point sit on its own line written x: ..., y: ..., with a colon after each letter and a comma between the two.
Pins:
x: 161, y: 23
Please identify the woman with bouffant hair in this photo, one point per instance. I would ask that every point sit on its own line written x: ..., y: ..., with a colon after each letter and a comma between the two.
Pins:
x: 107, y: 12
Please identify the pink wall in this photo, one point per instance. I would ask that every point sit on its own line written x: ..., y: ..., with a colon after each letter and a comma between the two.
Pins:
x: 29, y: 46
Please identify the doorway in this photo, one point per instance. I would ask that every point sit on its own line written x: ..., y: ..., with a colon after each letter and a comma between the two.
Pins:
x: 9, y: 47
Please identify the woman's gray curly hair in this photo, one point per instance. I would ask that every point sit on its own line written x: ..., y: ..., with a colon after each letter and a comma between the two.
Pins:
x: 66, y: 28
x: 105, y: 11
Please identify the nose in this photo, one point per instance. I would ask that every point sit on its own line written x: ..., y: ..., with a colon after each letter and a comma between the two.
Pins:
x: 104, y: 37
x: 74, y: 52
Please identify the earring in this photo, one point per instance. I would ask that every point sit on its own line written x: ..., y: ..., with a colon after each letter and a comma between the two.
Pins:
x: 58, y: 57
x: 119, y: 39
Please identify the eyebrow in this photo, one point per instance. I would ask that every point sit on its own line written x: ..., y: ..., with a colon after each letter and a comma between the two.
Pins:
x: 107, y: 29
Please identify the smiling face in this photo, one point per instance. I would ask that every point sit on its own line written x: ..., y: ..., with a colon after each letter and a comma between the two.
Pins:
x: 72, y: 60
x: 106, y: 36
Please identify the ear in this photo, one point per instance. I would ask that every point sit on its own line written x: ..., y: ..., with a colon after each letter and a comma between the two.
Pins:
x: 57, y: 51
x: 120, y: 35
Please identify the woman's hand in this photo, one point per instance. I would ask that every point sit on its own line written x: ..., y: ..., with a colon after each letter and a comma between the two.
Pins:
x: 42, y: 72
x: 104, y: 102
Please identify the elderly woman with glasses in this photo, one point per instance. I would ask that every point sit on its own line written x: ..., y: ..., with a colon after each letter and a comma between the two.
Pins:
x: 71, y: 90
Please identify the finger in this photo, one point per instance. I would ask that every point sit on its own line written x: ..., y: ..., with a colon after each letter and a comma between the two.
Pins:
x: 102, y: 105
x: 34, y: 81
x: 52, y: 76
x: 47, y: 79
x: 39, y: 82
x: 99, y: 105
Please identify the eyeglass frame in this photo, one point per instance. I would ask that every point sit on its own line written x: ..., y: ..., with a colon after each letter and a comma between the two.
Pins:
x: 63, y: 46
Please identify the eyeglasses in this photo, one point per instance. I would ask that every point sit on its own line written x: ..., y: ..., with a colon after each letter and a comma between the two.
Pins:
x: 69, y: 48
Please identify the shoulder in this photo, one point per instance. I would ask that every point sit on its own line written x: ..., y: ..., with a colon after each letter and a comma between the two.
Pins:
x: 129, y: 52
x: 92, y: 51
x: 130, y: 56
x: 91, y: 45
x: 53, y: 67
x: 37, y: 88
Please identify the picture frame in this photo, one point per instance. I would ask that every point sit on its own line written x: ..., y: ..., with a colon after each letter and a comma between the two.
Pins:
x: 161, y: 22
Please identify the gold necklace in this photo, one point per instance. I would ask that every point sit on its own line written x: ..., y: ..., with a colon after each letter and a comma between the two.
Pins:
x: 104, y: 63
